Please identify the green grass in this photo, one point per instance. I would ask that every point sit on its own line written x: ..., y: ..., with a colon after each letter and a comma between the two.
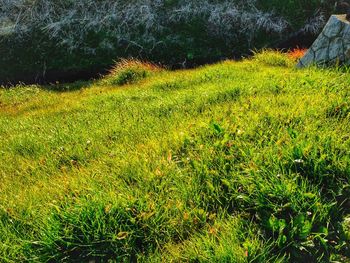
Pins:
x: 235, y: 162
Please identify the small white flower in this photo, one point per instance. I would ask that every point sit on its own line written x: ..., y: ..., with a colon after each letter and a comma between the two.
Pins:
x: 299, y: 161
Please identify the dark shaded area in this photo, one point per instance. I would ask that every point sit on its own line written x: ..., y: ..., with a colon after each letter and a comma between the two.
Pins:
x: 344, y: 7
x: 54, y: 76
x: 297, y: 40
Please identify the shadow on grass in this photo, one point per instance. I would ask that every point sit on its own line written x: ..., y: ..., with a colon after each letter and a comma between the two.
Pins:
x: 68, y: 87
x: 55, y: 80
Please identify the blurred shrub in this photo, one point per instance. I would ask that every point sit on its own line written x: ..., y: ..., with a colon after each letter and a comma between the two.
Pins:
x: 40, y: 36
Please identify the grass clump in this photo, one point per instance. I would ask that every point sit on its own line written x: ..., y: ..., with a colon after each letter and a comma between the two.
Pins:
x: 129, y: 71
x: 233, y: 162
x: 273, y: 58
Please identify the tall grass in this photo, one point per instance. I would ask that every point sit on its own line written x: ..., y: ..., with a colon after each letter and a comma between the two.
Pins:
x: 235, y: 162
x: 129, y: 71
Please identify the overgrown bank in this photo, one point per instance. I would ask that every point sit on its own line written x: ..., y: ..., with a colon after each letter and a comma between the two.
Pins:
x: 236, y: 162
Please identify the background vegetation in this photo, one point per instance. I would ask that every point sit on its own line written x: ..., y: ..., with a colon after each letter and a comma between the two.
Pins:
x: 236, y: 162
x: 53, y: 37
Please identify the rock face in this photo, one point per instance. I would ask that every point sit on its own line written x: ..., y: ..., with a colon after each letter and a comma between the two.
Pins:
x: 332, y: 46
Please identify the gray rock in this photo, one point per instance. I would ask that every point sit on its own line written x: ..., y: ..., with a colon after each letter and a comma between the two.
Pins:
x: 322, y: 55
x: 310, y: 55
x: 333, y: 27
x: 321, y: 43
x: 332, y: 45
x: 336, y: 49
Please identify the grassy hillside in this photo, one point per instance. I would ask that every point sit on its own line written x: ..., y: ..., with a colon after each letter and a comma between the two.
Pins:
x: 236, y: 162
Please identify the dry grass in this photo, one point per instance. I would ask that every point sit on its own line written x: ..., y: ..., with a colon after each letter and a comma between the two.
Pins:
x: 297, y: 53
x: 128, y: 71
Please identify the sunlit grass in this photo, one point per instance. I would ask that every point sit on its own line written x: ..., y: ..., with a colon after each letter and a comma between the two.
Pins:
x: 235, y: 162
